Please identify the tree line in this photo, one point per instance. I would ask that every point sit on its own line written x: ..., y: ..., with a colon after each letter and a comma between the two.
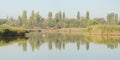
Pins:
x: 59, y: 20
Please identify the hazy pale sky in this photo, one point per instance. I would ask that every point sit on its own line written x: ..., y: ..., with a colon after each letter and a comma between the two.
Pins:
x: 97, y: 8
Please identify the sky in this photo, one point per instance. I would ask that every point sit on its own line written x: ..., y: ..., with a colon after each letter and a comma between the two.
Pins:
x: 97, y: 8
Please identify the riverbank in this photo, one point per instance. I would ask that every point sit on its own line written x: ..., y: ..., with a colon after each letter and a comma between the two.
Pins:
x: 11, y: 31
x: 64, y: 30
x: 105, y: 30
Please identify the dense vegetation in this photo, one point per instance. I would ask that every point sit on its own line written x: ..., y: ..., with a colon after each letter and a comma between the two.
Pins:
x: 106, y: 24
x: 104, y: 29
x: 59, y: 20
x: 11, y: 31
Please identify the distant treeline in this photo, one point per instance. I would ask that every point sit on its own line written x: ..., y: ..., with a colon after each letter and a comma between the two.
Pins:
x: 59, y: 20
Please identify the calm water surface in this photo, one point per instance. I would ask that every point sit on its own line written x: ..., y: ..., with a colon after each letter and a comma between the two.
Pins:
x: 56, y: 46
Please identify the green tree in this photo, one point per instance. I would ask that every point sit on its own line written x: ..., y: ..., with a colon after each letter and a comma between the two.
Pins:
x: 24, y: 18
x: 87, y: 15
x: 112, y: 18
x: 78, y: 15
x: 31, y: 19
x: 20, y: 21
x: 58, y: 16
x: 63, y: 15
x: 116, y: 18
x: 50, y: 16
x: 51, y: 24
x: 38, y: 19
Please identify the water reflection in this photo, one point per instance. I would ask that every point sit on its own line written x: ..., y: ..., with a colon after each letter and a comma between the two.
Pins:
x: 4, y: 41
x: 58, y: 40
x: 61, y: 40
x: 111, y: 41
x: 35, y: 40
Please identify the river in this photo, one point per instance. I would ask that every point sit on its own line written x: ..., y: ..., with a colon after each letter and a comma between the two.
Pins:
x: 59, y: 46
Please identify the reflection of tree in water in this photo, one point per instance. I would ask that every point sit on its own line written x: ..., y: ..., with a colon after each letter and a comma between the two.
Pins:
x: 59, y: 40
x: 111, y: 41
x: 35, y: 40
x: 87, y: 45
x: 24, y: 45
x: 4, y: 41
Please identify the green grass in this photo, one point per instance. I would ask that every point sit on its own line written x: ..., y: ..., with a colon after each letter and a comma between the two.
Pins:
x: 6, y: 30
x: 103, y: 29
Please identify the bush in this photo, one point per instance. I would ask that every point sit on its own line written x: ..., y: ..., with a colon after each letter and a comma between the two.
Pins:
x: 11, y: 31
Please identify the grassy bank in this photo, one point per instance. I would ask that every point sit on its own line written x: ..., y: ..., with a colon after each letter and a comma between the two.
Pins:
x: 91, y: 30
x: 103, y: 30
x: 64, y: 30
x: 11, y: 31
